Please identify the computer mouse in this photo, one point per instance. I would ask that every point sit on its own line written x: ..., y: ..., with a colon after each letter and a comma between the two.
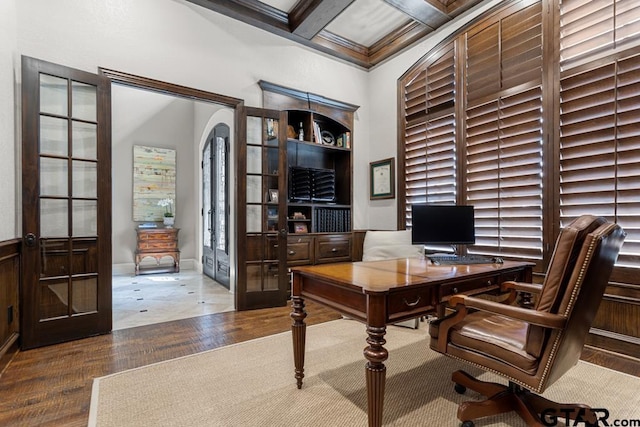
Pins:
x: 497, y: 260
x: 435, y: 262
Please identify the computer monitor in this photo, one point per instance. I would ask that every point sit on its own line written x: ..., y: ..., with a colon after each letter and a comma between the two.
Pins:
x: 442, y: 225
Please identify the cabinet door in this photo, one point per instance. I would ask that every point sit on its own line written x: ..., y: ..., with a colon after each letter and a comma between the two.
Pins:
x: 262, y: 206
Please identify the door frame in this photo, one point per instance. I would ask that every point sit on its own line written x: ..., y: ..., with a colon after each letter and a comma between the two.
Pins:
x: 236, y: 104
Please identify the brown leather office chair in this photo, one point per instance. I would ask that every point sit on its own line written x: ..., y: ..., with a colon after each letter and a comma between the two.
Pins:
x: 532, y: 347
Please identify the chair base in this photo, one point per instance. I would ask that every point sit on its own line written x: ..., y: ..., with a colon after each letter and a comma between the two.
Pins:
x: 532, y: 408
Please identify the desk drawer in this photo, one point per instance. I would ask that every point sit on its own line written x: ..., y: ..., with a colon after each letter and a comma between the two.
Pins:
x: 469, y: 287
x: 333, y: 248
x: 403, y: 303
x: 299, y: 250
x: 513, y: 276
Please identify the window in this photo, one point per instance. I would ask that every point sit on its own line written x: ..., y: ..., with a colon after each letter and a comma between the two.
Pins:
x: 599, y: 116
x: 430, y: 133
x: 542, y: 113
x: 499, y: 144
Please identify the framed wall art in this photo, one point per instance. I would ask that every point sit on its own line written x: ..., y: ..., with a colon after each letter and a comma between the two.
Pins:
x: 382, y: 179
x: 154, y: 179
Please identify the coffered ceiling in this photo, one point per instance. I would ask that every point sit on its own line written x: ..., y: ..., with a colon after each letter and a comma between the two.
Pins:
x: 364, y: 32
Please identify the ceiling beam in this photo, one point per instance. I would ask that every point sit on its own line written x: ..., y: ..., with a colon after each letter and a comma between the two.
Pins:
x: 309, y: 17
x: 429, y: 13
x: 251, y: 12
x: 304, y: 17
x: 268, y: 18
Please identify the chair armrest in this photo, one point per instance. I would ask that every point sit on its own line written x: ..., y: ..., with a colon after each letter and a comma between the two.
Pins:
x: 540, y: 318
x: 515, y: 287
x: 533, y: 288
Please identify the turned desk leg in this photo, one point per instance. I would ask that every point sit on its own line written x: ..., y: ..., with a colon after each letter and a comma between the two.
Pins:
x: 376, y: 373
x: 299, y: 332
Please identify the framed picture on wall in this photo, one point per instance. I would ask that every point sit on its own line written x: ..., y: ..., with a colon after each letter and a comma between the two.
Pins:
x: 382, y: 179
x: 154, y: 179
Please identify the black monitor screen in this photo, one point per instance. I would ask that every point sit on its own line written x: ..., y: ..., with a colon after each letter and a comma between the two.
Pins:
x: 442, y: 225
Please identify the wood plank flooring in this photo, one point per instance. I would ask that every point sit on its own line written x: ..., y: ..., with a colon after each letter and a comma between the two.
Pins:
x: 51, y: 386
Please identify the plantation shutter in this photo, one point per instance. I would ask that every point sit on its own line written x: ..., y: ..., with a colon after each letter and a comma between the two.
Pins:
x: 504, y: 134
x: 591, y: 29
x: 430, y: 155
x: 599, y: 116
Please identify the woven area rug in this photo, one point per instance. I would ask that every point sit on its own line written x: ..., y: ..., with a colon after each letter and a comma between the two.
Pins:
x: 252, y: 384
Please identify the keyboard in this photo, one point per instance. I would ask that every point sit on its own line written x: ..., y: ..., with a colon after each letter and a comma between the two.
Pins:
x: 463, y: 259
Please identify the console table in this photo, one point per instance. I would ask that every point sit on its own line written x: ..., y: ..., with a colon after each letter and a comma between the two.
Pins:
x: 157, y: 243
x: 381, y: 292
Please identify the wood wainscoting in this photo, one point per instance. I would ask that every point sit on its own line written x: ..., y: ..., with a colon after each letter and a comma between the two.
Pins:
x: 616, y: 327
x: 9, y: 303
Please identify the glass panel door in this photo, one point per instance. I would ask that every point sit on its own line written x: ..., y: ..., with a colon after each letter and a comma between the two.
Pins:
x: 66, y: 178
x: 208, y: 258
x: 216, y: 263
x: 262, y: 272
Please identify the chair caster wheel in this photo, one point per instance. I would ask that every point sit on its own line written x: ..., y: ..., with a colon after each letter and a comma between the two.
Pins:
x: 460, y: 389
x: 467, y: 424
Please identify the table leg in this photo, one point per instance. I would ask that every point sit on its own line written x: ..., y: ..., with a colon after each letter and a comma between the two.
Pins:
x: 376, y: 373
x: 299, y: 332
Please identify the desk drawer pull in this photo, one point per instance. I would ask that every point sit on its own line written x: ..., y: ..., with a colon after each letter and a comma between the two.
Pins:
x: 292, y: 252
x: 455, y: 290
x: 411, y: 304
x: 334, y: 250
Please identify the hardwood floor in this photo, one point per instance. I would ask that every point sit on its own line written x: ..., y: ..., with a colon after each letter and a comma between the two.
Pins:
x: 51, y: 386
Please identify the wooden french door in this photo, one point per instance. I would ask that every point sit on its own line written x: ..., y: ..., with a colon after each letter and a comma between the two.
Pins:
x: 215, y: 202
x: 66, y: 204
x: 262, y: 279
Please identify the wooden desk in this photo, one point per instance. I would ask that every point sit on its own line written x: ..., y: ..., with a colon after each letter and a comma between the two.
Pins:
x: 157, y: 243
x: 382, y: 292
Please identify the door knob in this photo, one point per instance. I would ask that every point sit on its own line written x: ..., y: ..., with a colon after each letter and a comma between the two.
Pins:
x: 30, y: 240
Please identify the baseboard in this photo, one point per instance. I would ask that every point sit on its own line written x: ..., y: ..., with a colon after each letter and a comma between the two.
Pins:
x: 8, y: 350
x: 130, y: 268
x: 612, y: 360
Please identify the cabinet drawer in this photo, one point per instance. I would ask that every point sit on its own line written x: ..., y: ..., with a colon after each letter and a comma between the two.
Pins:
x: 469, y: 287
x: 404, y: 303
x: 333, y: 248
x: 157, y: 245
x: 299, y: 250
x: 164, y: 235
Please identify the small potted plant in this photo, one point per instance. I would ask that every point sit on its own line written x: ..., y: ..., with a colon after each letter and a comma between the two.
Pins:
x: 167, y: 204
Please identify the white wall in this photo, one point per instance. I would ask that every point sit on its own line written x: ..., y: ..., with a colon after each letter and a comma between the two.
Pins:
x: 383, y: 125
x: 10, y: 218
x: 178, y: 42
x: 181, y: 43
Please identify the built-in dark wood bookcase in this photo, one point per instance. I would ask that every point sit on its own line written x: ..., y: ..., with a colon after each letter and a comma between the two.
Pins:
x: 295, y: 193
x: 319, y: 164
